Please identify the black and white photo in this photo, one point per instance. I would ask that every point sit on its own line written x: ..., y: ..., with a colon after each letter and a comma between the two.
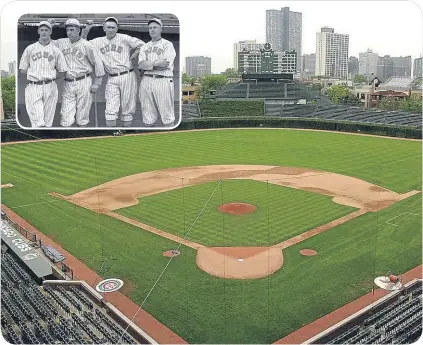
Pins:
x: 98, y: 71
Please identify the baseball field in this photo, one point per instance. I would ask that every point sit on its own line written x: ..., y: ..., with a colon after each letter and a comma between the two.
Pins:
x: 118, y: 204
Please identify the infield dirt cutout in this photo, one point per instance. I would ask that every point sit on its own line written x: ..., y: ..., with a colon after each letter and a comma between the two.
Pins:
x: 237, y: 262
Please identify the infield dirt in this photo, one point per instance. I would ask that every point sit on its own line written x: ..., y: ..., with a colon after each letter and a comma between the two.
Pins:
x: 224, y: 262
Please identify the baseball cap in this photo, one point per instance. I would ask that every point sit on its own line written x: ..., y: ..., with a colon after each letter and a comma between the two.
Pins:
x: 73, y: 22
x: 44, y: 23
x: 157, y: 20
x: 112, y: 19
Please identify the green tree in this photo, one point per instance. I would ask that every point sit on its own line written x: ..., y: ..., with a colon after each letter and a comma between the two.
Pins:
x: 212, y: 82
x: 413, y: 104
x: 388, y: 103
x: 359, y: 78
x: 230, y: 73
x: 186, y: 79
x: 8, y: 95
x: 338, y: 94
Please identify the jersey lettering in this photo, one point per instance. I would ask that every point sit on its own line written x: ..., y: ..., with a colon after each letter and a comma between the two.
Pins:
x: 39, y: 55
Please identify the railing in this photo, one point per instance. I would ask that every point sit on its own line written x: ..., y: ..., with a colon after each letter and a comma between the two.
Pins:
x: 29, y: 235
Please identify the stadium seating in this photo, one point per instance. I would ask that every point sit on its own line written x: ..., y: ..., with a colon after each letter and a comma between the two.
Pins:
x: 398, y: 322
x: 51, y: 314
x: 190, y: 111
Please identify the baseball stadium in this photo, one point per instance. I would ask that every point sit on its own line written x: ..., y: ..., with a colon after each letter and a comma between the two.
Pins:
x: 262, y: 219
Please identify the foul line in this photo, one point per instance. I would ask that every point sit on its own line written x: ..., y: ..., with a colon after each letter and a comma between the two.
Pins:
x: 170, y: 260
x: 388, y: 221
x: 37, y: 203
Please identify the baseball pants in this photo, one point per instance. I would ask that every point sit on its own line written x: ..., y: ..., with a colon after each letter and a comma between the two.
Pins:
x: 76, y: 102
x: 157, y: 98
x: 121, y: 91
x: 41, y: 101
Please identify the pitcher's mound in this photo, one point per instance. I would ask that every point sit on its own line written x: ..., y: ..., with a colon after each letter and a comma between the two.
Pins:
x: 308, y: 252
x: 237, y: 208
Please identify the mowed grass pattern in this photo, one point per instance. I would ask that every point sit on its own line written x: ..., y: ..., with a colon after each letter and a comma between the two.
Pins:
x: 197, y: 306
x: 192, y: 212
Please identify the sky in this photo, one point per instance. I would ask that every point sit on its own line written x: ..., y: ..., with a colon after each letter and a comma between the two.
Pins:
x: 211, y: 28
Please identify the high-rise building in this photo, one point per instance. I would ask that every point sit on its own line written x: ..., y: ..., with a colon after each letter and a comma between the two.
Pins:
x: 402, y: 66
x: 267, y: 61
x: 249, y: 45
x: 284, y: 31
x: 4, y: 74
x: 308, y: 63
x: 12, y: 68
x: 368, y: 63
x: 332, y: 54
x: 417, y: 67
x: 192, y: 66
x: 353, y: 67
x: 385, y: 67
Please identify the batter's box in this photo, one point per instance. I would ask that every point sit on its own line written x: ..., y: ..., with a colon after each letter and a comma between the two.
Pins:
x: 394, y: 221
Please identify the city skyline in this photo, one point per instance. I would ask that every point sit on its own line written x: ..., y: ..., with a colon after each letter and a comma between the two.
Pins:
x: 207, y: 33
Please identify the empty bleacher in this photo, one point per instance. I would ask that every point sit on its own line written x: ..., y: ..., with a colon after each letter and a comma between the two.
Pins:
x: 283, y: 89
x: 398, y: 320
x: 344, y: 113
x: 51, y: 314
x: 190, y: 111
x: 238, y: 90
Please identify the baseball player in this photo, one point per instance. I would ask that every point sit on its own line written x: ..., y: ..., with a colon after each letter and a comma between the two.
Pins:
x: 82, y: 58
x: 121, y: 87
x: 156, y: 92
x: 40, y: 62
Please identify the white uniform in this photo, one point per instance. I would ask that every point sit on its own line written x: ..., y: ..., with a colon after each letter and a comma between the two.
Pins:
x: 80, y: 56
x: 41, y: 63
x: 156, y: 88
x: 121, y: 89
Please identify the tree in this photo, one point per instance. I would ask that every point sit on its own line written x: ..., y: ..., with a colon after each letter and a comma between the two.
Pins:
x: 8, y: 94
x: 230, y: 73
x: 388, y: 103
x: 338, y: 93
x: 212, y: 82
x: 186, y: 79
x: 413, y: 104
x: 359, y: 78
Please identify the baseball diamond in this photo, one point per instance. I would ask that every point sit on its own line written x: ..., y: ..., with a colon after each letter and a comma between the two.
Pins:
x: 319, y: 234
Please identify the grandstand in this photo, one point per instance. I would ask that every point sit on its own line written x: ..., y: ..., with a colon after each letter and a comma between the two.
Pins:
x: 394, y: 319
x: 39, y: 311
x: 280, y: 89
x: 327, y: 112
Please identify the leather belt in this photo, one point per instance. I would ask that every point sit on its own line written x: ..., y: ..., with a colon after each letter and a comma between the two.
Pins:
x: 78, y: 78
x: 120, y: 73
x: 157, y: 76
x: 41, y: 82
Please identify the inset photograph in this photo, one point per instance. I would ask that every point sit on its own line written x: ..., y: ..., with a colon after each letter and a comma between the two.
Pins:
x: 98, y: 71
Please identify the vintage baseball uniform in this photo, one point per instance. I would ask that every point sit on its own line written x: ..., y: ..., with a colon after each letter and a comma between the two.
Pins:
x: 157, y: 89
x: 82, y: 59
x: 120, y: 89
x: 41, y: 63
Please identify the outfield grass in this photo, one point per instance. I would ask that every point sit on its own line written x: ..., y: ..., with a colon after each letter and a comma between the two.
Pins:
x: 199, y: 307
x: 281, y: 213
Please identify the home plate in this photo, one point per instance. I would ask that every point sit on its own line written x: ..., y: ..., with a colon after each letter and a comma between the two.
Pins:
x: 240, y: 259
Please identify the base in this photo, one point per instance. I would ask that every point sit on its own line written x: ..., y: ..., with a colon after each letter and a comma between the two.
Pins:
x: 384, y: 283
